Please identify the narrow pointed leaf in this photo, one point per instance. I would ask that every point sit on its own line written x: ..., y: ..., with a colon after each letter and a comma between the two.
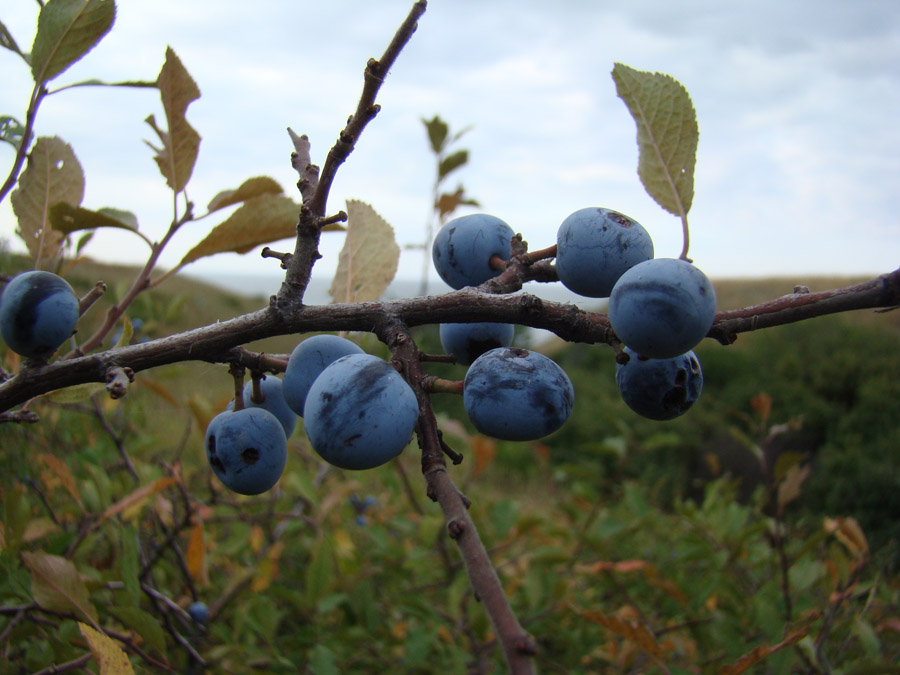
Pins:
x: 252, y: 187
x: 260, y: 220
x: 110, y: 658
x: 67, y: 30
x: 667, y: 135
x: 53, y: 175
x: 181, y: 142
x: 452, y: 162
x: 66, y: 218
x: 369, y: 258
x: 56, y: 585
x: 8, y: 41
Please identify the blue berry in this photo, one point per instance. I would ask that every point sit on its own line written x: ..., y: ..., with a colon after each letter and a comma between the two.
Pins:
x: 660, y: 389
x: 360, y: 413
x: 273, y: 401
x: 595, y: 246
x: 517, y: 395
x: 307, y: 361
x: 465, y: 342
x: 199, y: 612
x: 38, y: 312
x: 246, y: 449
x: 662, y: 308
x: 463, y: 248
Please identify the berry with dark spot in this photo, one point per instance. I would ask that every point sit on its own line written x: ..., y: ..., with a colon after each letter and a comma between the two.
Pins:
x: 246, y: 449
x: 660, y: 389
x: 360, y: 413
x: 595, y: 246
x: 517, y: 395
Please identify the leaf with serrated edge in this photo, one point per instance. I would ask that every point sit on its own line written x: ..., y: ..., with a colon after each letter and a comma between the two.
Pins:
x: 67, y: 30
x: 56, y: 585
x: 11, y: 131
x: 667, y: 135
x: 110, y: 658
x: 369, y: 258
x: 181, y: 143
x: 53, y: 175
x: 260, y: 220
x: 252, y: 187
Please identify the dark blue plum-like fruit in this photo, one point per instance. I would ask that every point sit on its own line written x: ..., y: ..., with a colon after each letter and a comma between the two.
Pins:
x: 517, y: 395
x: 463, y: 248
x: 38, y: 312
x: 360, y: 413
x: 595, y: 246
x: 662, y: 308
x: 199, y: 612
x: 272, y: 391
x: 246, y: 449
x: 306, y: 363
x: 660, y: 389
x: 465, y: 342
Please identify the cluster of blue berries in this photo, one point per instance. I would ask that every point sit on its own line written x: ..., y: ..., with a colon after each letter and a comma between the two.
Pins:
x: 660, y: 308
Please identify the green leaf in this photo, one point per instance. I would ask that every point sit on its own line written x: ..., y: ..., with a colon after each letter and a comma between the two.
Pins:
x: 437, y: 133
x: 667, y: 135
x: 452, y: 162
x: 369, y: 258
x: 252, y: 187
x: 129, y: 565
x: 67, y: 218
x: 7, y: 40
x: 11, y: 131
x: 53, y: 175
x: 67, y: 30
x: 144, y: 624
x: 181, y: 143
x: 260, y: 220
x: 56, y: 585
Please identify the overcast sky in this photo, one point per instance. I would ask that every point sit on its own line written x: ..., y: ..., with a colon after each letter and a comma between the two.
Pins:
x: 798, y: 168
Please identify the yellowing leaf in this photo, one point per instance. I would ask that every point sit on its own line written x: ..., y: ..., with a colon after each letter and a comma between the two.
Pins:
x: 260, y: 220
x: 789, y: 488
x: 181, y: 143
x: 137, y: 498
x: 67, y: 30
x: 62, y: 473
x: 485, y: 450
x: 252, y: 187
x: 196, y: 555
x: 369, y: 258
x: 850, y: 534
x: 56, y: 585
x: 667, y: 135
x: 632, y: 631
x: 110, y: 658
x: 53, y: 175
